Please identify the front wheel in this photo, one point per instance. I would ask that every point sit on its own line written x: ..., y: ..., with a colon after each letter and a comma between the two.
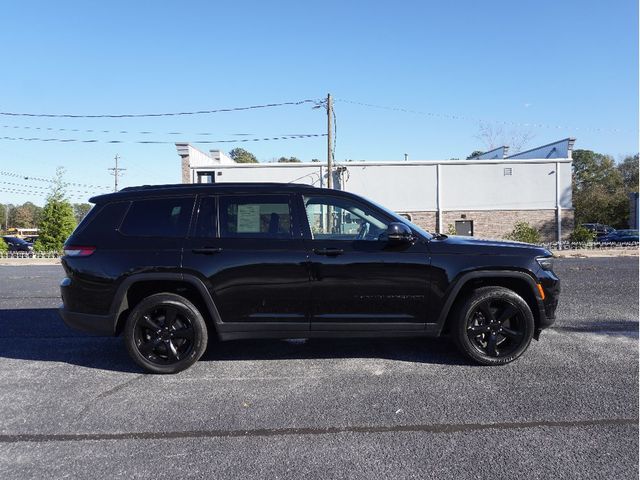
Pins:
x: 165, y: 333
x: 493, y: 326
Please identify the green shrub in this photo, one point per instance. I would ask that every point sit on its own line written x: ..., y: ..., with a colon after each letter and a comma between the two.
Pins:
x: 451, y: 230
x: 523, y: 232
x: 3, y: 246
x: 582, y: 235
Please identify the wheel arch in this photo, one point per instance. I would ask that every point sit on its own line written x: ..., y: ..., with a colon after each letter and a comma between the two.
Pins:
x: 520, y: 282
x: 138, y: 286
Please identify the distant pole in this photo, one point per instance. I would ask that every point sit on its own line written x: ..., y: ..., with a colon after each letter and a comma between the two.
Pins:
x: 329, y: 141
x: 116, y: 173
x: 406, y: 157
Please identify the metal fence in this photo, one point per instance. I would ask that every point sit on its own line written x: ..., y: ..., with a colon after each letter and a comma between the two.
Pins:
x: 591, y: 245
x: 29, y: 254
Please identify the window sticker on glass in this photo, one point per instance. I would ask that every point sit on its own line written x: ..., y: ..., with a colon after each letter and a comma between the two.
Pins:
x: 248, y: 218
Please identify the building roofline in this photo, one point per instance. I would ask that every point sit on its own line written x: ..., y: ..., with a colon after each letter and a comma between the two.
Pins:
x: 399, y: 163
x: 571, y: 141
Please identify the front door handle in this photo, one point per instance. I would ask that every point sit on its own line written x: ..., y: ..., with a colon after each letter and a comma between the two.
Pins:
x: 328, y: 251
x: 207, y: 250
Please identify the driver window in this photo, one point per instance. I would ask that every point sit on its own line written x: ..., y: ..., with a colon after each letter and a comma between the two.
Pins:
x: 342, y: 219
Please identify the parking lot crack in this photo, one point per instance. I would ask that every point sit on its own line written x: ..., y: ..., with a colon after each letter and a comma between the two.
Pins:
x: 275, y: 432
x: 101, y: 396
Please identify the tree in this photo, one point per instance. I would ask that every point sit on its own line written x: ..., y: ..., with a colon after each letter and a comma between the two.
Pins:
x: 80, y: 210
x: 58, y: 220
x: 493, y: 136
x: 628, y: 168
x: 240, y: 155
x: 475, y: 153
x: 289, y: 160
x: 26, y: 215
x: 598, y: 190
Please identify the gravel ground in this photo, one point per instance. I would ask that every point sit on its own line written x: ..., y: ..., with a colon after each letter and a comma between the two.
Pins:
x: 75, y: 405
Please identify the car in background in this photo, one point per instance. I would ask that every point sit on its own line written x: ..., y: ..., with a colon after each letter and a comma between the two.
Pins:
x: 16, y: 244
x: 598, y: 228
x: 30, y: 239
x: 620, y: 236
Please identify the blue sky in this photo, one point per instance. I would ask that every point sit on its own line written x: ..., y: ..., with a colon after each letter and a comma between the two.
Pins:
x: 571, y: 66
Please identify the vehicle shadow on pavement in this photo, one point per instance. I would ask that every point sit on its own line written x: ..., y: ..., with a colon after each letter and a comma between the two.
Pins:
x: 415, y: 350
x: 40, y: 335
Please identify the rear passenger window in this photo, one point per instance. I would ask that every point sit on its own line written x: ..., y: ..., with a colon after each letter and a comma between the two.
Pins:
x: 158, y: 217
x: 255, y: 216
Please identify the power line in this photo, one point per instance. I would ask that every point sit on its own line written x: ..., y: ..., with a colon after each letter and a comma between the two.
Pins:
x: 127, y: 132
x: 22, y: 191
x: 50, y: 180
x: 43, y: 188
x: 166, y: 114
x: 161, y: 142
x: 475, y: 119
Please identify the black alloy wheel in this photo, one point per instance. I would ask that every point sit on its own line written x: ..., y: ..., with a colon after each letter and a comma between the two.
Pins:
x: 496, y: 327
x: 493, y: 326
x: 165, y: 333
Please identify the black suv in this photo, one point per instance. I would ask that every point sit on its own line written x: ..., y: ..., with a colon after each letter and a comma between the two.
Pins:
x: 170, y: 266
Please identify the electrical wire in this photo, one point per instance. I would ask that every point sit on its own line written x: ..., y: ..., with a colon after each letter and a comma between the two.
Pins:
x: 166, y: 114
x: 51, y: 180
x: 128, y: 132
x: 465, y: 117
x: 47, y: 189
x: 161, y: 142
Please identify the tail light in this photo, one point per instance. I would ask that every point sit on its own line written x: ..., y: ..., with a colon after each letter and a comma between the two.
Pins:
x: 76, y: 251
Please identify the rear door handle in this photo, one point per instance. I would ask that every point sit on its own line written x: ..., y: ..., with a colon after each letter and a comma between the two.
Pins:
x: 328, y: 251
x: 207, y: 250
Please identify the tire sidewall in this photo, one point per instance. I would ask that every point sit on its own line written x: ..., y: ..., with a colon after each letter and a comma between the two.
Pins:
x: 186, y: 308
x: 467, y: 308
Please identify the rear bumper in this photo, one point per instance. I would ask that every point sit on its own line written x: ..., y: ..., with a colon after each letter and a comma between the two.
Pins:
x: 85, y: 322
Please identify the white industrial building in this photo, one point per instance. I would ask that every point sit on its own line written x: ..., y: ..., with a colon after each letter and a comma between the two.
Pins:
x: 483, y: 196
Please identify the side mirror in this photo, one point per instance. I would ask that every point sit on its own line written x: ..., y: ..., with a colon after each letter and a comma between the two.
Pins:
x: 399, y: 233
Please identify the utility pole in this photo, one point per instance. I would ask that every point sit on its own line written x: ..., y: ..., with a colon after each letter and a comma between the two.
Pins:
x: 116, y: 172
x: 329, y: 141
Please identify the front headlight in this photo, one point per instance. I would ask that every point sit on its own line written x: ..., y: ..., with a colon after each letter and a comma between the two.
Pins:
x: 546, y: 263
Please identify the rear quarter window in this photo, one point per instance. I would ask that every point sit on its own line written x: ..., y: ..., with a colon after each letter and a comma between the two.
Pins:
x: 101, y: 222
x: 158, y: 217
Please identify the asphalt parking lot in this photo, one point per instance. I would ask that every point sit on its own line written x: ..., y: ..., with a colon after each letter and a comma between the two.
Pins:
x: 75, y: 405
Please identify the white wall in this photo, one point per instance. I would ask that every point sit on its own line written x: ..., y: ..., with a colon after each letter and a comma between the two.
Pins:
x: 411, y: 186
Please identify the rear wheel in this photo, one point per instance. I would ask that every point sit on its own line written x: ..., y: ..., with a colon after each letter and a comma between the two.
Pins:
x: 165, y: 333
x: 493, y: 326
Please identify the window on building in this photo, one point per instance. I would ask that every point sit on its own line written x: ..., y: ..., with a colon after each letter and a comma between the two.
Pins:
x: 342, y: 219
x: 158, y: 217
x: 508, y: 171
x: 255, y: 216
x: 206, y: 177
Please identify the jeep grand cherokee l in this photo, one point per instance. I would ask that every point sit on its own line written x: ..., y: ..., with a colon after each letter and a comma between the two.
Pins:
x: 170, y: 266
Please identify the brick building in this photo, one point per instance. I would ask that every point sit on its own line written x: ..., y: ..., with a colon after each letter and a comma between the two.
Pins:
x: 483, y: 196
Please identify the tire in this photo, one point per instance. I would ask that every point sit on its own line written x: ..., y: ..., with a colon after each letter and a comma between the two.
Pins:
x: 165, y: 333
x: 494, y: 326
